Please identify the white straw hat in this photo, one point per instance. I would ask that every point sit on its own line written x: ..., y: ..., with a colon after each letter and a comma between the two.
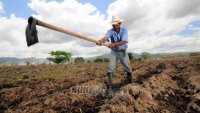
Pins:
x: 116, y: 20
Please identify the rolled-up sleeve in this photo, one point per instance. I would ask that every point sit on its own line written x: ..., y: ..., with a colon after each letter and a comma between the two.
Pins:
x: 125, y: 35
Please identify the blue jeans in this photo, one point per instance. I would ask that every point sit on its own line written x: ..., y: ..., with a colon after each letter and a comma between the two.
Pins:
x: 124, y: 59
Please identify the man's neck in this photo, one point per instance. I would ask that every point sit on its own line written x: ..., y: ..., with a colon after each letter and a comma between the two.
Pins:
x: 117, y: 30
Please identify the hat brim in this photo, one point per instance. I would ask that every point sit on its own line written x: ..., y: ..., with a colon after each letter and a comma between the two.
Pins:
x: 116, y: 22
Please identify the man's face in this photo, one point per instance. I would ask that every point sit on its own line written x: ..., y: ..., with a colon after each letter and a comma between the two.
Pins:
x: 117, y: 26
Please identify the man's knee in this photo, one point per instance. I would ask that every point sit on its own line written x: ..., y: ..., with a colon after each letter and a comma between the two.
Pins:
x: 111, y: 69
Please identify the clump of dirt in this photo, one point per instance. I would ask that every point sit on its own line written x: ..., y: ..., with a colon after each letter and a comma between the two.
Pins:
x: 159, y: 86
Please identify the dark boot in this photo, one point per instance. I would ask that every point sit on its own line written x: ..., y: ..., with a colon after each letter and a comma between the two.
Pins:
x: 129, y: 78
x: 109, y: 91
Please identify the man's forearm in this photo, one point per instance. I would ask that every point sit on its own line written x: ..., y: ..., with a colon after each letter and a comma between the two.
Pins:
x: 104, y: 39
x: 119, y: 43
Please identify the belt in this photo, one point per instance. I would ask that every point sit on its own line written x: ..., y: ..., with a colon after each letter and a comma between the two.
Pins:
x: 120, y: 50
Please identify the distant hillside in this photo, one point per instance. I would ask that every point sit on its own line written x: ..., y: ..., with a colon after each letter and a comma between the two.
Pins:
x: 22, y: 61
x: 10, y: 60
x: 137, y: 55
x: 93, y: 58
x: 172, y: 54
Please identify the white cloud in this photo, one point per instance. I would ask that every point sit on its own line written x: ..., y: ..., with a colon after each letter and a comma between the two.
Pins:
x: 80, y: 18
x: 182, y: 8
x: 153, y: 26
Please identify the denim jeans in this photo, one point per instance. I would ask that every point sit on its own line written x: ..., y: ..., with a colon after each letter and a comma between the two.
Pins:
x: 124, y: 59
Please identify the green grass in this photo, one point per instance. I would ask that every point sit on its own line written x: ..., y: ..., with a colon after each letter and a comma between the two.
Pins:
x: 54, y: 74
x: 10, y: 80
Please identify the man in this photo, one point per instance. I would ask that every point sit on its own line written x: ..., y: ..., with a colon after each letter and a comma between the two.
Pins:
x: 119, y: 39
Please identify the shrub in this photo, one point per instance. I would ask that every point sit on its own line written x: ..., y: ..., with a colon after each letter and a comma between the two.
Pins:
x: 79, y: 60
x: 59, y: 56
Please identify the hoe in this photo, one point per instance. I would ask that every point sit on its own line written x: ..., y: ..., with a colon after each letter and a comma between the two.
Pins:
x: 31, y: 31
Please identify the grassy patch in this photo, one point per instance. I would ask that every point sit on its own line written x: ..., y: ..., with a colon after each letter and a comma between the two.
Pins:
x: 54, y: 74
x: 10, y: 80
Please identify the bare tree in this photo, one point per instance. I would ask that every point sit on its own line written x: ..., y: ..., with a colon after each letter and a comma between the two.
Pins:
x: 29, y: 61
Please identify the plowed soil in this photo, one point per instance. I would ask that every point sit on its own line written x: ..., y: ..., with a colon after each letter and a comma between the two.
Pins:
x: 159, y: 86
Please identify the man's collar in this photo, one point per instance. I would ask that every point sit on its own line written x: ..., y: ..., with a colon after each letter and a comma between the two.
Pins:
x: 120, y: 31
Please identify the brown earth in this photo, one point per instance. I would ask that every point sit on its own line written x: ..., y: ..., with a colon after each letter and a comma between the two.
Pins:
x: 159, y: 86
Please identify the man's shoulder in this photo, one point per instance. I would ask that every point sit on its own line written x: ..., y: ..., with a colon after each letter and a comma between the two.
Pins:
x: 110, y: 30
x: 124, y: 29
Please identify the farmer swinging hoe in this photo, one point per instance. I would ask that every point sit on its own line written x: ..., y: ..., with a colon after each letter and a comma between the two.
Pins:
x: 118, y: 36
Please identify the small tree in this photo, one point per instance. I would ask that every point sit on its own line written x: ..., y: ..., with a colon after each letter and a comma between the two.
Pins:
x: 145, y: 55
x: 131, y: 57
x: 98, y: 60
x: 79, y: 60
x: 59, y: 56
x: 89, y: 61
x: 106, y: 60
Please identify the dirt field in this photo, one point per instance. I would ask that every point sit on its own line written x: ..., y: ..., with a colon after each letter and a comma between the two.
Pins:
x: 160, y: 86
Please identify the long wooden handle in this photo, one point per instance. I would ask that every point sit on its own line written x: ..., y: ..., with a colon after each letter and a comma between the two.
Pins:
x: 59, y: 29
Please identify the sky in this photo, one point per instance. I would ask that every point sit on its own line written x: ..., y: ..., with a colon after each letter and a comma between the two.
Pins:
x: 155, y: 26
